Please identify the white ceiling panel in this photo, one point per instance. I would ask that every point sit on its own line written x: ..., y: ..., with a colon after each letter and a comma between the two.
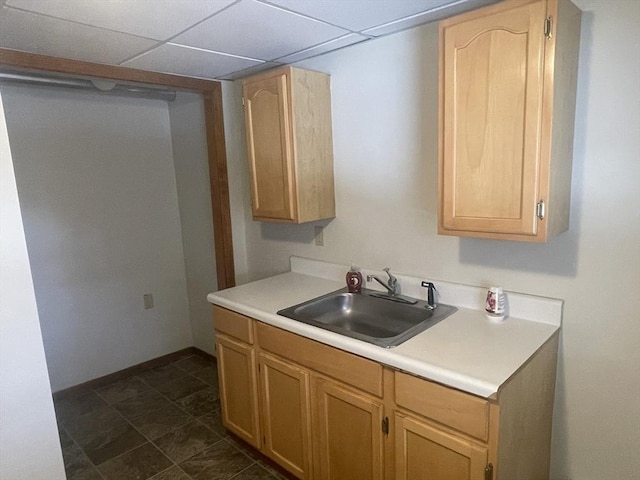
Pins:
x: 329, y: 46
x: 358, y: 14
x: 250, y: 71
x: 49, y: 36
x: 436, y: 13
x: 256, y: 30
x: 195, y: 62
x: 156, y: 19
x: 208, y: 38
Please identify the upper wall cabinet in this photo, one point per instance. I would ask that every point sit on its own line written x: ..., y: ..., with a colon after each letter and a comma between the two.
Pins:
x: 507, y: 102
x: 289, y: 145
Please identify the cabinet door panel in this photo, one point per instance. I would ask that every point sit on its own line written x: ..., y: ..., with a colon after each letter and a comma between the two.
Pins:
x: 285, y: 414
x: 424, y: 452
x: 461, y: 411
x: 233, y: 324
x: 238, y: 388
x: 492, y: 86
x: 267, y: 118
x: 348, y: 433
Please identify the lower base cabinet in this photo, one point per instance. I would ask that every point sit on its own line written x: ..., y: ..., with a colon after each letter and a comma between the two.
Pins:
x: 238, y: 388
x: 423, y: 451
x: 349, y: 438
x: 286, y: 419
x: 325, y: 414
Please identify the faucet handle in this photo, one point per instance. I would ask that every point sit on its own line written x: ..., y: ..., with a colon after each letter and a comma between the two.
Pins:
x: 392, y: 280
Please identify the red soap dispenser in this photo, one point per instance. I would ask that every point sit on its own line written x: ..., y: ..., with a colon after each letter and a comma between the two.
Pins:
x: 354, y: 280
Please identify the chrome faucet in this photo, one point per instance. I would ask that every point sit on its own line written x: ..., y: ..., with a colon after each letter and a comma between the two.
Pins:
x: 392, y: 285
x: 393, y: 289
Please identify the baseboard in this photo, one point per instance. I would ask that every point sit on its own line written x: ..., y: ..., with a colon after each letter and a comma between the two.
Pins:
x: 133, y: 370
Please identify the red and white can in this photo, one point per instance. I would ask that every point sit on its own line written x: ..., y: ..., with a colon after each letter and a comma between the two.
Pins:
x: 494, y: 305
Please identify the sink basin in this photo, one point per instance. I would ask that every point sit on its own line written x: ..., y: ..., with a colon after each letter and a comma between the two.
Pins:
x: 368, y: 316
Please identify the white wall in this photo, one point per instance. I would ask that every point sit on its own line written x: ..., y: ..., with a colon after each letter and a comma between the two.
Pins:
x: 188, y: 138
x: 384, y: 98
x: 29, y: 444
x: 97, y: 188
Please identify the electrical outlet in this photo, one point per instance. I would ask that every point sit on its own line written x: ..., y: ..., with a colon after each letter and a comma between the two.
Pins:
x: 148, y: 301
x: 319, y: 235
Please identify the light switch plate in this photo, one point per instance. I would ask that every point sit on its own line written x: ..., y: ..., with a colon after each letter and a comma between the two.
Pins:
x: 148, y: 301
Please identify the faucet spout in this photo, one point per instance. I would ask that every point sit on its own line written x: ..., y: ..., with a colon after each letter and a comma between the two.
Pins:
x: 371, y: 278
x: 393, y: 289
x: 392, y: 285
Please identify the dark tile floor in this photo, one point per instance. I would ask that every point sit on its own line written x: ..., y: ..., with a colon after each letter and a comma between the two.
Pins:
x: 161, y: 424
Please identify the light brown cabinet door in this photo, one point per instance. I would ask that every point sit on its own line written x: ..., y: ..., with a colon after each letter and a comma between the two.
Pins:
x: 286, y: 416
x: 238, y: 388
x: 492, y: 72
x: 348, y: 437
x: 425, y: 453
x: 269, y: 144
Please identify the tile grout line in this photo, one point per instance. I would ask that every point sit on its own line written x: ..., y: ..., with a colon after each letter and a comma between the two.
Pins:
x: 174, y: 403
x: 243, y: 470
x: 137, y: 446
x: 75, y: 443
x: 173, y: 464
x: 191, y: 417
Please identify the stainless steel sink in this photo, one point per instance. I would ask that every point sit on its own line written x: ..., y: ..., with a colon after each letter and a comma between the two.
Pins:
x: 368, y: 316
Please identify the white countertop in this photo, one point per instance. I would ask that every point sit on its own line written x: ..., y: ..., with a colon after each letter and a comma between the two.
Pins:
x: 466, y: 351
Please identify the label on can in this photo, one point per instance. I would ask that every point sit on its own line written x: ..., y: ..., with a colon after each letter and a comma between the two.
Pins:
x: 495, y: 301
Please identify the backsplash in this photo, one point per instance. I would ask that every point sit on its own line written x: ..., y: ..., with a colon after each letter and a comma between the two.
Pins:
x: 519, y: 305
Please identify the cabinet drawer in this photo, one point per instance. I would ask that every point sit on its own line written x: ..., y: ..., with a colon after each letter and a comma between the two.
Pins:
x: 351, y: 369
x: 233, y: 324
x: 458, y: 410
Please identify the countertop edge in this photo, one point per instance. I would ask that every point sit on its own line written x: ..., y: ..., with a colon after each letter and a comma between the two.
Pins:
x: 387, y: 357
x: 466, y: 351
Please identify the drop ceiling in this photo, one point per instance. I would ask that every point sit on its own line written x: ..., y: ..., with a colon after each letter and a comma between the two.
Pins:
x: 211, y: 39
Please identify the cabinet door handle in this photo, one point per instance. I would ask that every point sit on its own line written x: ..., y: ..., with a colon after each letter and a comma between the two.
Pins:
x: 548, y: 27
x: 540, y: 210
x: 488, y: 472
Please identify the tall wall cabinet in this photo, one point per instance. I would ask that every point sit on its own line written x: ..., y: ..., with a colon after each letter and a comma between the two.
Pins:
x: 290, y: 145
x: 507, y: 101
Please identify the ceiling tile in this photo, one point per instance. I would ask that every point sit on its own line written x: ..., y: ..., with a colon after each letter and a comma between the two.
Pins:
x: 157, y: 19
x: 435, y: 14
x: 208, y: 38
x: 247, y: 72
x: 194, y: 62
x: 359, y: 14
x: 350, y: 39
x: 48, y: 36
x: 256, y: 30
